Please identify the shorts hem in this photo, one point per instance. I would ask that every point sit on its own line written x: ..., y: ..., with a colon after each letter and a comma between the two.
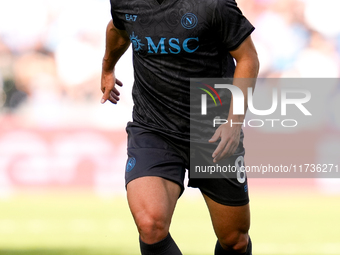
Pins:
x: 155, y: 175
x: 227, y: 203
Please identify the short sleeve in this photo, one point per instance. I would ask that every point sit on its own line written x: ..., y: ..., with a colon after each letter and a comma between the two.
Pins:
x: 233, y: 28
x: 115, y: 17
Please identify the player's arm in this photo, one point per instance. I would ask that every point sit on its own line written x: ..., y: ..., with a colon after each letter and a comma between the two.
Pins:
x: 247, y: 66
x: 117, y: 42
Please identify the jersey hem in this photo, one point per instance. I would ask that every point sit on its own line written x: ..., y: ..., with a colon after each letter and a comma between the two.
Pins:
x: 242, y: 40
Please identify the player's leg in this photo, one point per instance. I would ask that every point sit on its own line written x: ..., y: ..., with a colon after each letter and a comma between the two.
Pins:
x: 226, y: 195
x: 154, y: 180
x: 231, y: 225
x: 152, y: 202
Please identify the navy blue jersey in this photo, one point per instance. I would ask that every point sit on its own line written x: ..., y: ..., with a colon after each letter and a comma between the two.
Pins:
x: 173, y: 41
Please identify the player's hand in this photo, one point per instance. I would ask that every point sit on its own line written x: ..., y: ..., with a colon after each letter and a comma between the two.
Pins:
x: 108, y: 87
x: 230, y: 138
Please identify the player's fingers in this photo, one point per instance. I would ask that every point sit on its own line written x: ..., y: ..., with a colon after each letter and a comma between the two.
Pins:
x: 115, y: 91
x: 114, y: 95
x: 105, y: 96
x: 113, y: 100
x: 110, y: 94
x: 119, y: 83
x: 222, y: 144
x: 218, y: 156
x: 225, y: 153
x: 215, y: 137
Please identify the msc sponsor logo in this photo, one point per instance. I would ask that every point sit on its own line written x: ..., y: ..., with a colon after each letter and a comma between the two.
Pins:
x: 164, y: 45
x: 174, y: 45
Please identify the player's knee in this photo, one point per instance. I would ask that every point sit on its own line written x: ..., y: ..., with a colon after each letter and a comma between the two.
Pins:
x: 152, y: 227
x: 235, y: 241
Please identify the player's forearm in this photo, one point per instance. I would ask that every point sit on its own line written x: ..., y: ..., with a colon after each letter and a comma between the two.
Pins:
x: 245, y: 76
x: 117, y: 42
x: 248, y: 67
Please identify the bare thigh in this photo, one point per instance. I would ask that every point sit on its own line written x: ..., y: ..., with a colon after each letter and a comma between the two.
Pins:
x: 231, y: 224
x: 152, y: 201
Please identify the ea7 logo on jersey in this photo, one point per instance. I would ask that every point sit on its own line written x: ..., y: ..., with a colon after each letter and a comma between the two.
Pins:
x: 130, y: 17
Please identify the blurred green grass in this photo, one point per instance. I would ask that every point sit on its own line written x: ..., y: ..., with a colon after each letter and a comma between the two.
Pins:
x: 81, y: 223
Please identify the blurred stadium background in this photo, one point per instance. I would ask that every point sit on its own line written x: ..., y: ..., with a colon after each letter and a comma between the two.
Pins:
x: 62, y: 153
